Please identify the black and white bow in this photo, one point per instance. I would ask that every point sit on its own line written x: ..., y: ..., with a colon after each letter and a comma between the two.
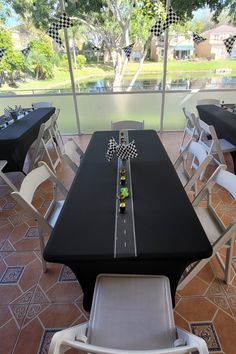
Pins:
x: 123, y: 151
x: 2, y: 51
x: 171, y: 18
x: 157, y: 29
x: 229, y: 43
x: 127, y: 50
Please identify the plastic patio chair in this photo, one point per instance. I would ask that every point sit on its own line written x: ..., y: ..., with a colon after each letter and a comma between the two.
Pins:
x: 72, y: 154
x: 25, y: 196
x: 191, y: 130
x: 190, y: 177
x: 218, y: 234
x: 127, y: 124
x: 131, y: 314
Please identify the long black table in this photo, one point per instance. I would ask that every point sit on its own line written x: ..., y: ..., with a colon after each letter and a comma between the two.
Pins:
x: 169, y: 235
x: 223, y: 121
x: 16, y: 138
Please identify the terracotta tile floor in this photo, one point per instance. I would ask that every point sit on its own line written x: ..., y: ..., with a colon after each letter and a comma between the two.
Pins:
x: 34, y: 305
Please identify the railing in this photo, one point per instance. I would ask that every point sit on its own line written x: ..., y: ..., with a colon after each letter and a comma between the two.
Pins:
x: 97, y: 110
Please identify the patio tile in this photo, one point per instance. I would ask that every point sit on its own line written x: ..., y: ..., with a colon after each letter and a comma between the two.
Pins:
x: 8, y: 331
x: 195, y: 287
x: 196, y: 309
x: 206, y: 331
x: 226, y: 328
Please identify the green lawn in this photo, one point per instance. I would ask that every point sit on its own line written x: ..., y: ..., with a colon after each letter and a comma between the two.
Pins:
x: 100, y: 70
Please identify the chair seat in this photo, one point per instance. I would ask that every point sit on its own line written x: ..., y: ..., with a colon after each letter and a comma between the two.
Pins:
x: 126, y: 312
x: 53, y: 216
x: 209, y: 224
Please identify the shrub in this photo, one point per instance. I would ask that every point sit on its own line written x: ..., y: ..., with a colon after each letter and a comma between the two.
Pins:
x: 81, y: 60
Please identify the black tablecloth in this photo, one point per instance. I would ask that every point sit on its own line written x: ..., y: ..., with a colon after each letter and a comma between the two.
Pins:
x: 168, y: 234
x: 223, y: 121
x: 16, y: 139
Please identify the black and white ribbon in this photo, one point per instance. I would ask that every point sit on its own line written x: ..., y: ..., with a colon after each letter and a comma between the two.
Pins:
x: 95, y: 48
x: 2, y: 51
x: 229, y: 43
x: 55, y: 36
x: 127, y: 50
x: 157, y: 29
x: 63, y: 21
x: 171, y: 18
x: 198, y: 39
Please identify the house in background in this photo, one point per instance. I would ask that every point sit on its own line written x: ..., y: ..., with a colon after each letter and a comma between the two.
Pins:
x: 213, y: 47
x: 181, y: 46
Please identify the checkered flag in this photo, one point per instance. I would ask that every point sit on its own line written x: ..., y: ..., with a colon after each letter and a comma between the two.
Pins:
x: 95, y: 48
x: 157, y: 30
x: 112, y: 146
x: 229, y: 43
x: 2, y: 51
x: 128, y: 151
x: 26, y: 51
x: 63, y: 21
x: 171, y: 18
x: 127, y: 50
x: 198, y: 39
x: 55, y: 35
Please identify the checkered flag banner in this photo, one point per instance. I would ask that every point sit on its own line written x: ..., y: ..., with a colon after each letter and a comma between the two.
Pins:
x: 63, y: 21
x: 229, y: 43
x: 95, y: 48
x: 128, y: 151
x: 26, y: 51
x: 127, y: 50
x: 2, y: 51
x: 112, y: 146
x: 198, y: 39
x: 55, y: 36
x: 171, y: 18
x: 157, y: 30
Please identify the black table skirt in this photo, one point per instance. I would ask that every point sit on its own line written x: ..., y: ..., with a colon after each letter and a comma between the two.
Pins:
x: 16, y: 139
x: 169, y: 235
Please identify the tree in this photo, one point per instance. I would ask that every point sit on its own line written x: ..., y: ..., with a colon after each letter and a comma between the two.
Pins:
x: 12, y: 60
x: 117, y: 23
x: 41, y: 58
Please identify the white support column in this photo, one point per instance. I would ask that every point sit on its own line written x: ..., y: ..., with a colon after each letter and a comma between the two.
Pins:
x: 71, y: 72
x: 164, y: 72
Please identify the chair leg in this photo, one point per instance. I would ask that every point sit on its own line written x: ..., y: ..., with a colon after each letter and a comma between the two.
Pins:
x: 41, y: 245
x: 228, y: 261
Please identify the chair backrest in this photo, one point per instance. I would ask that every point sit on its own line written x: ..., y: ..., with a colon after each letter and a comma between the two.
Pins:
x: 211, y: 145
x: 36, y: 105
x: 197, y: 169
x: 131, y: 314
x: 208, y: 101
x: 72, y: 154
x: 45, y: 143
x: 56, y: 132
x: 127, y: 124
x: 191, y: 129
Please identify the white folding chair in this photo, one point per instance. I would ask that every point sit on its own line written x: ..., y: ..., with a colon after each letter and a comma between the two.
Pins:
x: 208, y: 101
x: 72, y: 154
x: 3, y: 163
x: 25, y: 196
x: 131, y: 314
x: 56, y: 132
x: 36, y: 105
x: 218, y: 234
x: 45, y: 143
x: 214, y: 146
x: 127, y: 124
x: 191, y: 130
x: 189, y: 177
